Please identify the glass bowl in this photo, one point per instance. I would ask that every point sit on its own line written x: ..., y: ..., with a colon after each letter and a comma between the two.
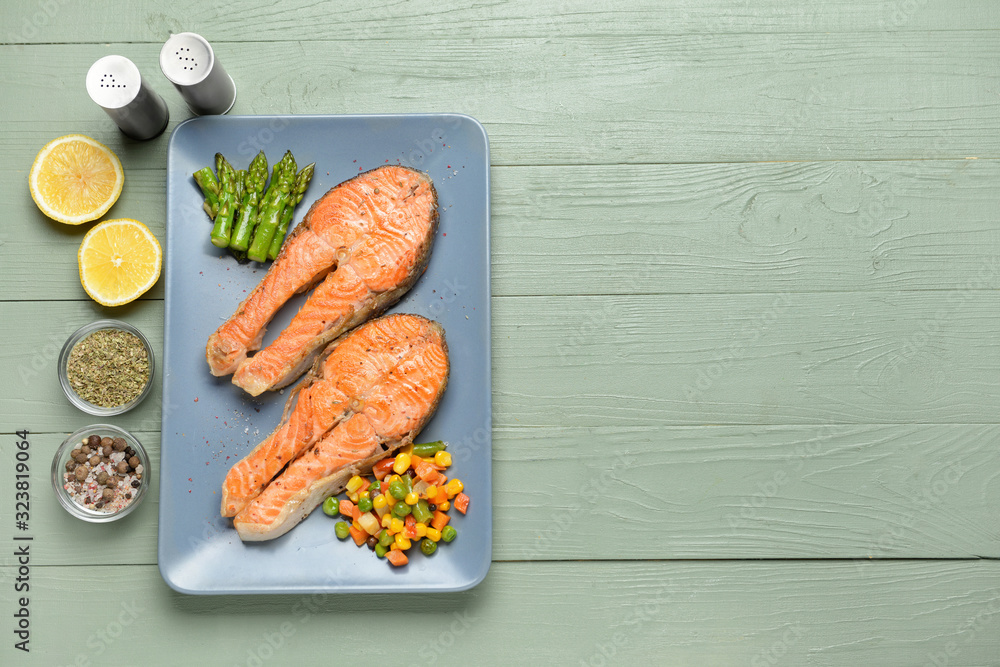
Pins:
x: 78, y: 400
x: 59, y: 472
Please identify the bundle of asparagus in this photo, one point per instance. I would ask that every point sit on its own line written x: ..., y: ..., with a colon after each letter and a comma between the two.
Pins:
x: 249, y: 220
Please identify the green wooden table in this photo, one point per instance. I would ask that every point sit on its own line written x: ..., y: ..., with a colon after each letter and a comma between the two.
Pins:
x: 746, y: 381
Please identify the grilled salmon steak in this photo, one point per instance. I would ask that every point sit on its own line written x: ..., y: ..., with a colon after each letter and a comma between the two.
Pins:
x: 369, y: 394
x: 368, y: 240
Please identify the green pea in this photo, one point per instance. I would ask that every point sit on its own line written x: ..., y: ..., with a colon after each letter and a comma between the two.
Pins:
x: 428, y: 449
x: 400, y: 510
x: 331, y: 507
x: 428, y: 546
x: 343, y: 530
x: 385, y: 539
x: 448, y: 533
x: 397, y: 490
x: 380, y: 550
x: 365, y: 504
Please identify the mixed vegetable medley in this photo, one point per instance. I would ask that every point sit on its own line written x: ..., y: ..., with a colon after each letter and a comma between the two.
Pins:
x: 407, y: 501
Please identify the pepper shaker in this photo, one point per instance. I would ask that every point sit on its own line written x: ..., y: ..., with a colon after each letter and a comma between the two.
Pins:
x: 187, y: 59
x: 114, y: 83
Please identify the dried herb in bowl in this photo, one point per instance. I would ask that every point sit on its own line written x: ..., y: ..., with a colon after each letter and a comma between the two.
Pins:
x: 108, y: 368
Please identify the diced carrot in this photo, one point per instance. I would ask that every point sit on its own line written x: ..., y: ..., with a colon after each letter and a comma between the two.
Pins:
x: 364, y: 485
x: 382, y: 468
x: 440, y: 520
x: 397, y: 557
x: 442, y: 496
x: 347, y: 508
x: 355, y: 512
x: 462, y: 502
x: 427, y: 472
x: 359, y: 535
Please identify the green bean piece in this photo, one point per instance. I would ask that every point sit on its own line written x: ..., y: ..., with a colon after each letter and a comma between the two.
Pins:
x: 422, y: 511
x: 428, y: 449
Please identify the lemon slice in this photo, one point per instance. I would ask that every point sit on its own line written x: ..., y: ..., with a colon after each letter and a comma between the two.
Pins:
x: 119, y: 261
x: 75, y: 179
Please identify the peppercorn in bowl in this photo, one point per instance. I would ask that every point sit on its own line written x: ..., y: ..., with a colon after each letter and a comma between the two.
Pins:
x: 106, y: 367
x: 100, y: 473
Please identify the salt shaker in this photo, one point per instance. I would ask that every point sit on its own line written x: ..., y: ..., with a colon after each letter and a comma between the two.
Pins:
x: 114, y: 83
x: 187, y: 59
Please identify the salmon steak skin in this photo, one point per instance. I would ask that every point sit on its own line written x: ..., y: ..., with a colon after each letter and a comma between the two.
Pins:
x: 366, y: 242
x: 368, y: 395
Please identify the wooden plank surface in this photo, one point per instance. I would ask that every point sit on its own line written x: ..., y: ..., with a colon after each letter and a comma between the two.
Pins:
x: 583, y: 100
x: 53, y: 21
x: 835, y: 485
x: 654, y: 360
x: 744, y: 297
x: 757, y: 613
x: 763, y: 227
x: 895, y: 491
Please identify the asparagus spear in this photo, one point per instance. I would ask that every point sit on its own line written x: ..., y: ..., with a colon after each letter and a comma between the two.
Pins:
x: 298, y: 191
x: 241, y: 178
x: 270, y: 212
x: 227, y: 202
x: 205, y: 178
x: 256, y: 178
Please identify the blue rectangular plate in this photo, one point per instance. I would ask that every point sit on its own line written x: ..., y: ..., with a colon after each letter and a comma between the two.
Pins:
x: 209, y: 423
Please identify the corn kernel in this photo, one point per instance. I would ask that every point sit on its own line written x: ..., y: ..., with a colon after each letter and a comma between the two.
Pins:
x: 411, y: 498
x: 408, y: 449
x: 431, y: 492
x: 434, y: 534
x: 454, y: 487
x: 442, y: 458
x: 354, y: 484
x: 401, y: 464
x: 402, y: 541
x: 395, y: 526
x: 364, y: 494
x: 421, y: 529
x: 390, y: 499
x: 386, y: 520
x: 357, y: 526
x: 445, y: 506
x: 379, y: 502
x: 354, y: 498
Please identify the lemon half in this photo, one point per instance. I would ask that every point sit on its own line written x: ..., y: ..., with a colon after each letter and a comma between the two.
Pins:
x: 119, y: 261
x: 75, y: 179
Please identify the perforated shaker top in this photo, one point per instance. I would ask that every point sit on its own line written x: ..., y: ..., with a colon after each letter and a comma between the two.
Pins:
x: 113, y: 82
x: 186, y: 58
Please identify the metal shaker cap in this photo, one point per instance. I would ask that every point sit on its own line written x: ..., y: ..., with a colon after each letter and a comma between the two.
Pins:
x: 114, y: 83
x: 188, y: 60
